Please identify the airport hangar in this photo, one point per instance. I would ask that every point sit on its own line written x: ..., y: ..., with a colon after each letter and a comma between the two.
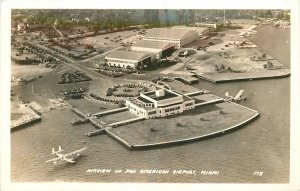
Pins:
x: 157, y: 43
x: 200, y: 30
x: 125, y: 59
x: 180, y: 37
x: 141, y: 53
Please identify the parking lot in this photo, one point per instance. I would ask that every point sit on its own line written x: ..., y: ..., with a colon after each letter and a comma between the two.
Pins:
x: 111, y: 40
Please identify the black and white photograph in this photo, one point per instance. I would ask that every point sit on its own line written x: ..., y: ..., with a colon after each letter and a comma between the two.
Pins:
x: 150, y: 95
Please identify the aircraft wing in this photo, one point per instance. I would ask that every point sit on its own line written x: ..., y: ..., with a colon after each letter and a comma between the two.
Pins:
x: 75, y: 152
x: 54, y: 159
x: 238, y: 95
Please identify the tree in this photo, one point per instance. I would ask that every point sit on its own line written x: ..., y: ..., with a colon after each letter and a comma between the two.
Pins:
x: 222, y: 67
x: 217, y: 68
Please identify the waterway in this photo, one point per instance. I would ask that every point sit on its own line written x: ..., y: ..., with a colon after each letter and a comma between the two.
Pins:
x: 261, y: 146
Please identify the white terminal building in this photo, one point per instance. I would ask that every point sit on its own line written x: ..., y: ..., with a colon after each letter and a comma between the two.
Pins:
x: 159, y: 103
x: 179, y: 37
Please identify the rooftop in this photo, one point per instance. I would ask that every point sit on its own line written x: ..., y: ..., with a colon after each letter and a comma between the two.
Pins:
x: 143, y: 100
x: 126, y: 55
x: 154, y: 45
x: 170, y: 33
x: 198, y: 29
x: 167, y: 95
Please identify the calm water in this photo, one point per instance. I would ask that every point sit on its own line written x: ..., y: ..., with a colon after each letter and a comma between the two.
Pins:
x: 260, y: 146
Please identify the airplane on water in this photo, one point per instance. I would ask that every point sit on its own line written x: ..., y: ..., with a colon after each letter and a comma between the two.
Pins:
x: 237, y: 97
x: 68, y: 158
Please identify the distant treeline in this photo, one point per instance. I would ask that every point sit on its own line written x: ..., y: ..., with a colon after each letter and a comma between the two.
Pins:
x: 120, y: 18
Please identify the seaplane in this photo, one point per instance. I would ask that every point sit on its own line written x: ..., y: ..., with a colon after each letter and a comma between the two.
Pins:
x: 236, y: 98
x: 68, y: 158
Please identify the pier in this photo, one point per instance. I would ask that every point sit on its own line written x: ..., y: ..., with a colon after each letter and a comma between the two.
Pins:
x: 187, y: 79
x: 125, y: 122
x: 119, y: 139
x: 96, y: 132
x: 95, y: 124
x: 218, y: 100
x: 110, y: 111
x: 78, y: 112
x: 200, y: 92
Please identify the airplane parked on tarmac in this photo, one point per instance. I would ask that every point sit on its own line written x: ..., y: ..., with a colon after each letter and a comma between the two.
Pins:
x: 68, y: 158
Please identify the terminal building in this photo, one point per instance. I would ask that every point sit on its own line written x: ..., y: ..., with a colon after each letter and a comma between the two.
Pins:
x: 179, y: 37
x: 159, y: 103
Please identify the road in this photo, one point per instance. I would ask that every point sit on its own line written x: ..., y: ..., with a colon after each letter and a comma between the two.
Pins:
x: 180, y: 64
x: 57, y: 31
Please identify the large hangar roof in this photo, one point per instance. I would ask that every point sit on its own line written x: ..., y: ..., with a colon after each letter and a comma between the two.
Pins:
x: 154, y: 45
x: 170, y: 33
x: 126, y: 55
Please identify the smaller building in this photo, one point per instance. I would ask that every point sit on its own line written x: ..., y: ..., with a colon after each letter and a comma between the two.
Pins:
x: 126, y: 59
x: 159, y: 103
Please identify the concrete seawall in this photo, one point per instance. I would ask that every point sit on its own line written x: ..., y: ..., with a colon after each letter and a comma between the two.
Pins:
x: 192, y: 139
x: 25, y: 123
x: 31, y: 116
x: 126, y: 144
x: 110, y: 111
x: 243, y: 78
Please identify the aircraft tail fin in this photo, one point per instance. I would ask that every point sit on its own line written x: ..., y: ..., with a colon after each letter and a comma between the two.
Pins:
x: 58, y: 151
x: 227, y: 94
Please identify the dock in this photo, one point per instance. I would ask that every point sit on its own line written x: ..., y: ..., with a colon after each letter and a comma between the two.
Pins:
x: 200, y: 92
x: 215, y: 101
x: 75, y: 110
x: 125, y: 122
x: 96, y: 132
x: 119, y: 139
x: 110, y: 111
x: 95, y: 124
x: 187, y: 79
